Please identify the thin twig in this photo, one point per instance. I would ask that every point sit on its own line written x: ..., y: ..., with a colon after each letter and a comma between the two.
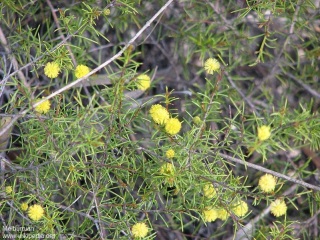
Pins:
x: 4, y: 42
x: 55, y: 18
x: 101, y: 229
x: 221, y: 15
x: 262, y: 169
x: 252, y: 106
x: 276, y: 62
x: 305, y: 86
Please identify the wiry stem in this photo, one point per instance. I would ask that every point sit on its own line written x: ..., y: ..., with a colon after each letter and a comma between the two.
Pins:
x: 262, y: 169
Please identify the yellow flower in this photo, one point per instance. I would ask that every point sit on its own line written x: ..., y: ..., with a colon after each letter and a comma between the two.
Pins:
x: 143, y: 82
x: 43, y: 107
x: 263, y: 132
x: 240, y: 209
x: 173, y: 126
x: 209, y: 215
x: 8, y: 189
x: 267, y: 183
x: 170, y: 153
x: 167, y: 169
x: 209, y: 191
x: 222, y: 214
x: 278, y: 208
x: 24, y: 206
x: 52, y: 70
x: 81, y: 70
x: 197, y: 120
x: 211, y: 65
x: 139, y: 230
x: 106, y: 12
x: 35, y: 212
x: 159, y: 114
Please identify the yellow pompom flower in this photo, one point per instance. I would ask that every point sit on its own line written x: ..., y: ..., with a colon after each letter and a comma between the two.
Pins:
x: 278, y: 208
x: 170, y: 153
x: 35, y: 212
x: 159, y: 114
x: 81, y: 70
x: 52, y: 69
x: 173, y: 126
x: 139, y: 230
x: 143, y: 82
x: 240, y: 209
x: 209, y: 215
x: 209, y: 191
x: 267, y: 183
x: 24, y: 206
x: 167, y: 169
x: 106, y: 12
x: 43, y: 107
x: 211, y: 65
x: 222, y: 214
x: 8, y: 190
x: 197, y: 120
x: 264, y: 132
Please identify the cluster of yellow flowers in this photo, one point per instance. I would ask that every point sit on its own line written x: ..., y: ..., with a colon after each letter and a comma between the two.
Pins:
x: 35, y: 211
x: 267, y: 184
x: 160, y: 115
x: 240, y: 209
x: 172, y: 126
x: 212, y: 214
x: 52, y: 70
